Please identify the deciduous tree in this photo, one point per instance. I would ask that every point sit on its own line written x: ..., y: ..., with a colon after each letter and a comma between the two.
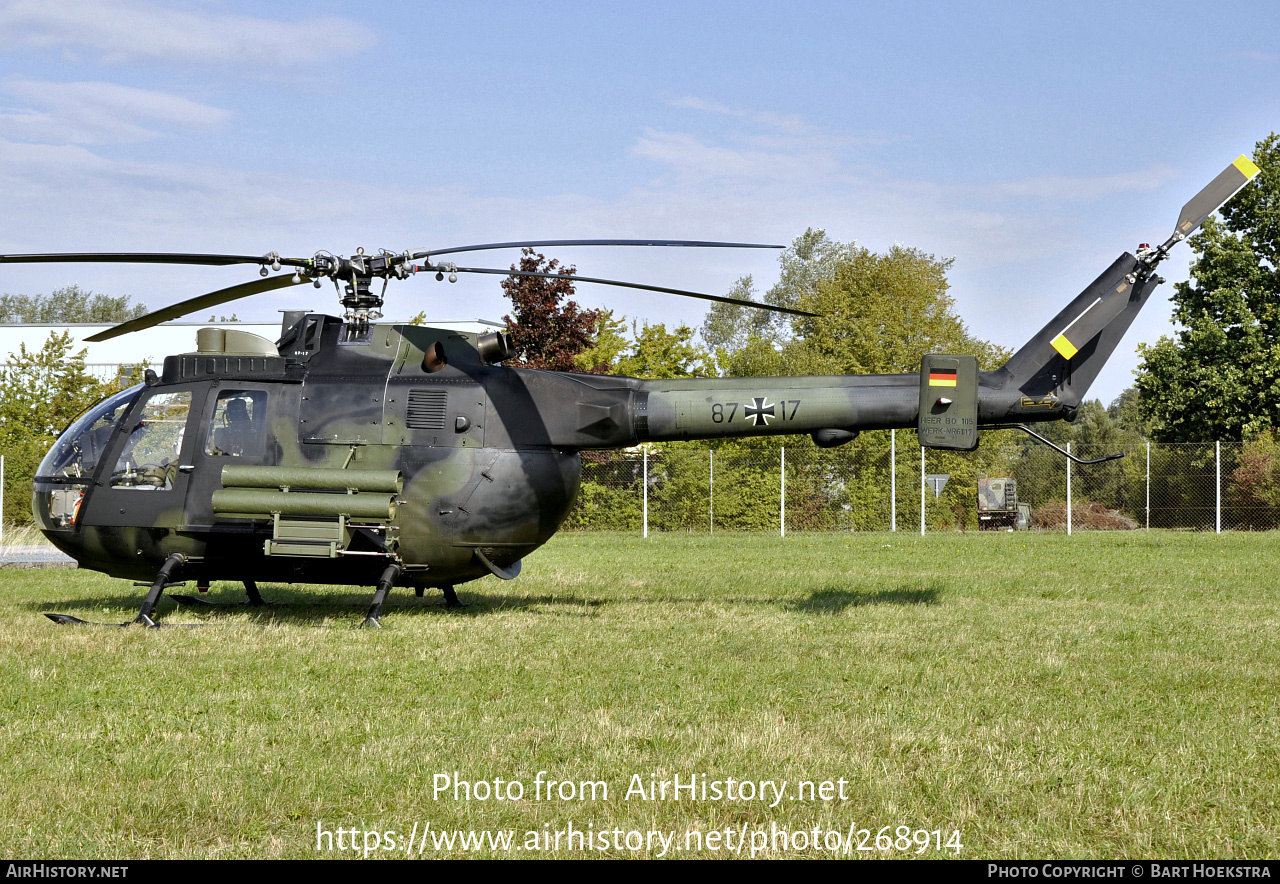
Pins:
x: 70, y: 304
x: 881, y: 313
x: 548, y: 328
x: 657, y: 353
x: 41, y: 391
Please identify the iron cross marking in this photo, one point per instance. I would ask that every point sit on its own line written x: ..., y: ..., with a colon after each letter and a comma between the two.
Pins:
x: 762, y: 411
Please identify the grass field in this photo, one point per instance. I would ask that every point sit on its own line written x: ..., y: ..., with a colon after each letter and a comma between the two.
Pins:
x: 1103, y: 695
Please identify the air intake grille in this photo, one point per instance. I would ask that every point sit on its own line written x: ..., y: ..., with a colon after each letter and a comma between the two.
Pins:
x: 427, y: 409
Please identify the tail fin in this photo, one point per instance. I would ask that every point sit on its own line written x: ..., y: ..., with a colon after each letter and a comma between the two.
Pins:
x: 1065, y: 356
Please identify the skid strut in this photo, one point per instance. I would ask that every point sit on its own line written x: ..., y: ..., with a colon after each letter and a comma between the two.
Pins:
x: 167, y: 570
x: 253, y: 599
x: 385, y: 582
x: 146, y: 613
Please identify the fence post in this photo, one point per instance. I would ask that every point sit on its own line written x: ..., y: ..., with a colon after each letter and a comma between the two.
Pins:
x: 645, y: 509
x: 893, y: 480
x: 1148, y: 486
x: 783, y: 451
x: 1217, y: 482
x: 922, y: 491
x: 1, y: 498
x: 1068, y: 490
x: 711, y: 495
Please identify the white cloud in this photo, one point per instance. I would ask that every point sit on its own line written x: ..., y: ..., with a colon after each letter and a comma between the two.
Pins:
x: 792, y: 123
x: 1059, y: 187
x: 1255, y: 55
x: 783, y: 129
x: 99, y: 113
x: 129, y: 31
x: 686, y: 155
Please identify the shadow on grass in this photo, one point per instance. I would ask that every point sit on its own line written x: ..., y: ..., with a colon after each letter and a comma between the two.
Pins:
x: 290, y: 605
x: 833, y: 601
x: 287, y: 604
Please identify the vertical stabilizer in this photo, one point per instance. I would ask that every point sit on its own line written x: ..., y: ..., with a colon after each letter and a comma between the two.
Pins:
x: 1060, y: 363
x: 1065, y: 356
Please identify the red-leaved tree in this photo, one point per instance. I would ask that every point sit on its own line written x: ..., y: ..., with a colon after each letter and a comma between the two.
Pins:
x: 548, y: 328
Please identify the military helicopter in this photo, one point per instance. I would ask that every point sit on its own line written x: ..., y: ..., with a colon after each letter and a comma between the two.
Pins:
x: 356, y: 453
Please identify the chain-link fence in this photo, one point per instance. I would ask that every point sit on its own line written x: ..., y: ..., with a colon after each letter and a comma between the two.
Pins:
x: 879, y: 482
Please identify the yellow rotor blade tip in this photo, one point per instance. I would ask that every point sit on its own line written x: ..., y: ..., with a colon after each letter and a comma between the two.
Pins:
x: 1247, y: 167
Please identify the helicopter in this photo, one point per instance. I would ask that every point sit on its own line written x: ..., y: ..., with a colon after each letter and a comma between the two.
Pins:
x: 356, y: 453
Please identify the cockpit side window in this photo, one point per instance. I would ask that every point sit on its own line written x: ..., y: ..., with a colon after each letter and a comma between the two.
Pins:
x: 149, y: 459
x: 239, y: 424
x: 84, y: 442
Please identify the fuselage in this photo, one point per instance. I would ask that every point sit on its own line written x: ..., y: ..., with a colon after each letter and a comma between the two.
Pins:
x: 453, y: 468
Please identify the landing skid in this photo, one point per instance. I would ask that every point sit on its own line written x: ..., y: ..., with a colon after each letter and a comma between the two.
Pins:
x: 146, y: 613
x: 450, y: 597
x: 253, y: 599
x: 68, y: 620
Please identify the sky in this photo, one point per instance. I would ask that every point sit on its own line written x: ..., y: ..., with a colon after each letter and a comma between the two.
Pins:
x: 1031, y: 143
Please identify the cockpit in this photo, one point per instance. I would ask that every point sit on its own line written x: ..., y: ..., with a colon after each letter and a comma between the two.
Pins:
x: 84, y: 443
x: 147, y: 461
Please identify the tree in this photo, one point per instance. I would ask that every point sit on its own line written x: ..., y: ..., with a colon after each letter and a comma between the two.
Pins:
x: 70, y: 304
x: 748, y: 342
x: 742, y: 342
x: 1126, y: 411
x: 548, y: 329
x: 658, y: 353
x: 40, y: 393
x: 610, y: 341
x: 1253, y: 491
x: 880, y: 313
x: 1218, y: 377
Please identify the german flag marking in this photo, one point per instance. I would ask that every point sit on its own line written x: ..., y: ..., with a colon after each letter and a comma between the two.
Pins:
x: 1246, y: 166
x: 1063, y: 346
x: 942, y: 377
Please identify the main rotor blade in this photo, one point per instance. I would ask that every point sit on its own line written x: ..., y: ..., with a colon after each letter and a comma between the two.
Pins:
x: 636, y: 285
x: 145, y: 258
x: 1216, y: 194
x: 213, y: 299
x: 426, y: 253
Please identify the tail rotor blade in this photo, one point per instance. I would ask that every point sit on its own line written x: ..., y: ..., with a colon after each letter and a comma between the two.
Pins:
x: 212, y: 299
x: 1107, y: 298
x: 1216, y: 194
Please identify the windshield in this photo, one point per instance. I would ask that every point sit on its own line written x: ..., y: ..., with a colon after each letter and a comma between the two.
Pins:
x: 79, y: 448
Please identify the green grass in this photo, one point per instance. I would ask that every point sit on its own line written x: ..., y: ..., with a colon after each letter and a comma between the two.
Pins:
x: 1103, y: 695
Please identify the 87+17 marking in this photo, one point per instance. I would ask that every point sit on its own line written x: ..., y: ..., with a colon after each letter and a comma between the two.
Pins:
x: 759, y: 410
